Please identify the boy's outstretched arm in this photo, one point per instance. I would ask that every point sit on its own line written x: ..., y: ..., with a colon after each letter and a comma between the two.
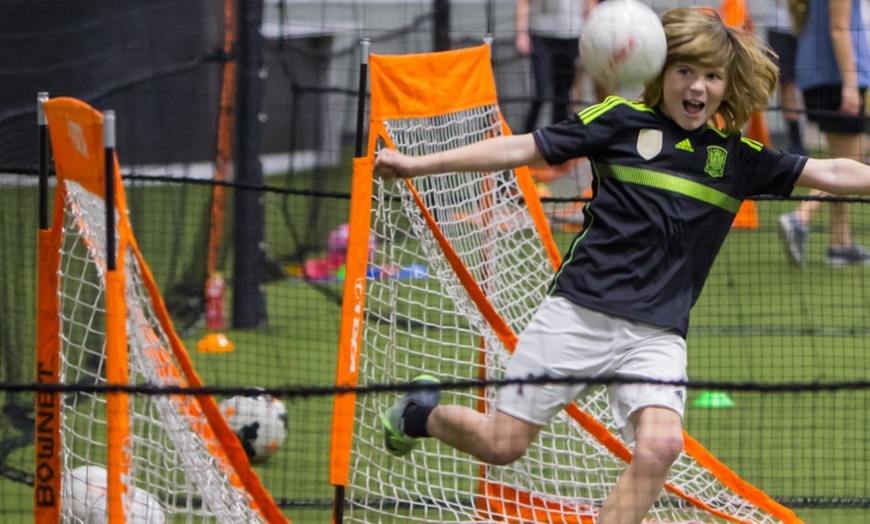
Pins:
x: 838, y: 176
x: 494, y: 154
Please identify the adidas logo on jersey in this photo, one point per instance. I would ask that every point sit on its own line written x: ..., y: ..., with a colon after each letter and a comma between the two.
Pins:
x: 685, y: 145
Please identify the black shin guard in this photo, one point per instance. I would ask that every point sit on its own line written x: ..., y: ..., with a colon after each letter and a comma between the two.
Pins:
x: 414, y: 420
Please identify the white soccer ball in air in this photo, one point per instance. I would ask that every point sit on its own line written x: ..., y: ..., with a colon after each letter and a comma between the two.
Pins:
x: 260, y: 423
x: 88, y: 487
x: 622, y: 44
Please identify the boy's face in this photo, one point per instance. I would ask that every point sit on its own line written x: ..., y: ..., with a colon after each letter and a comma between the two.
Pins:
x: 691, y: 94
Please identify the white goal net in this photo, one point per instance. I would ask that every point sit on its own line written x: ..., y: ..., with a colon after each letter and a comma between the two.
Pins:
x: 168, y: 459
x: 424, y: 313
x: 171, y: 457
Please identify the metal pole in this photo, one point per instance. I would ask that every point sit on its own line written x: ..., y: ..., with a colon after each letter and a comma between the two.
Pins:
x: 109, y: 172
x: 42, y: 124
x: 249, y: 300
x: 365, y: 49
x: 441, y: 25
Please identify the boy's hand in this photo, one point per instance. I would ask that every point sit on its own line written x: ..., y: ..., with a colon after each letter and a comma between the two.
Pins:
x: 390, y: 164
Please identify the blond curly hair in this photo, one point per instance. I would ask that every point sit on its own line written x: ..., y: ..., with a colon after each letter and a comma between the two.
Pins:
x: 697, y: 35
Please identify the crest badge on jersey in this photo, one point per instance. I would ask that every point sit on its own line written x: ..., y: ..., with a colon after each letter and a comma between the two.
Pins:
x: 715, y: 161
x: 649, y: 143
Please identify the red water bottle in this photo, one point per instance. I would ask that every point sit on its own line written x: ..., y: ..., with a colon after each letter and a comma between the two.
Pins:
x: 215, y: 289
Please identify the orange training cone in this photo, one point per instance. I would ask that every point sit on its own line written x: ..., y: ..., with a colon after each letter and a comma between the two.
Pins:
x: 215, y: 343
x: 734, y: 14
x: 747, y: 216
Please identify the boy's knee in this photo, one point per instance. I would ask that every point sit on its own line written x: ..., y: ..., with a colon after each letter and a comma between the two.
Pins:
x: 504, y: 453
x: 660, y: 450
x: 672, y: 446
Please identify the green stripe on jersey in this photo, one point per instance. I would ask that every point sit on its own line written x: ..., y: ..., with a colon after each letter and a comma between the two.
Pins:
x: 649, y: 178
x: 592, y: 112
x: 754, y: 144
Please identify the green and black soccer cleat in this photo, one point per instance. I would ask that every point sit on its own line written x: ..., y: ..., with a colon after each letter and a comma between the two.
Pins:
x: 396, y: 440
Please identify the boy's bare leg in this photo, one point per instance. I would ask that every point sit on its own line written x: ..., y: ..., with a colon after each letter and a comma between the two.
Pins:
x: 808, y: 208
x: 496, y: 439
x: 659, y: 441
x: 843, y: 146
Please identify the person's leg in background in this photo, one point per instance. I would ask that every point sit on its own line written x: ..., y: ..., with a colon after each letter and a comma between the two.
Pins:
x: 845, y: 137
x: 843, y: 250
x: 788, y: 95
x: 784, y: 44
x: 542, y: 74
x: 565, y: 57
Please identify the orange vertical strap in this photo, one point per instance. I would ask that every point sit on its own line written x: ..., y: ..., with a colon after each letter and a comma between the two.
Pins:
x: 67, y: 136
x: 117, y: 406
x: 224, y: 138
x: 118, y: 452
x: 46, y: 482
x: 350, y: 337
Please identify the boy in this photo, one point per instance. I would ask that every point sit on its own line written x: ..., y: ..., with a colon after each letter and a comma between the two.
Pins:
x: 667, y: 186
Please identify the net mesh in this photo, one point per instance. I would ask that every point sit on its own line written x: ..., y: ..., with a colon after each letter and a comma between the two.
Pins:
x: 173, y: 454
x: 419, y: 318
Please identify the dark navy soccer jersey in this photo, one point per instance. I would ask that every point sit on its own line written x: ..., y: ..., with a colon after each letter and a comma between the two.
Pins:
x: 663, y: 201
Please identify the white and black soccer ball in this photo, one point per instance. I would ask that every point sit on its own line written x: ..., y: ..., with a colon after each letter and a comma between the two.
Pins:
x: 87, y: 487
x: 623, y: 44
x: 260, y: 423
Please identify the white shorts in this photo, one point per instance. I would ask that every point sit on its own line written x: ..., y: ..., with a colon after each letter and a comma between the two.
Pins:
x: 566, y: 340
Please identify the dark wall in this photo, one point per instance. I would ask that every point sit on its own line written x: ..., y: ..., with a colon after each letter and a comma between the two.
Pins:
x: 294, y: 101
x: 155, y: 62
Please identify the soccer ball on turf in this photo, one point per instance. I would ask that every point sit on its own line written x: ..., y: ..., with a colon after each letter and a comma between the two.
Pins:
x: 622, y: 44
x: 88, y: 489
x: 260, y: 423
